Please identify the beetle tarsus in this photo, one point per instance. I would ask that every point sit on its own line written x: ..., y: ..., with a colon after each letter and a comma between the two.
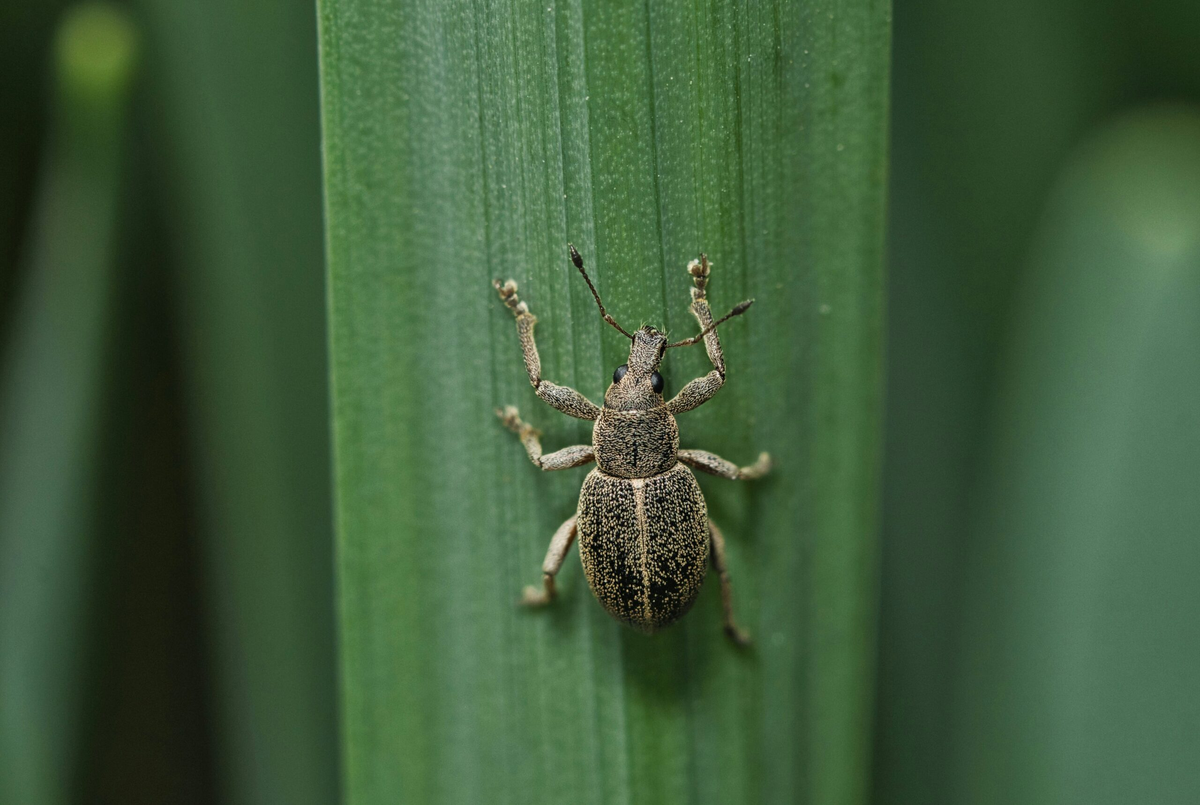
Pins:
x: 699, y: 270
x: 508, y: 293
x: 737, y: 635
x: 758, y: 469
x: 511, y: 419
x: 531, y: 596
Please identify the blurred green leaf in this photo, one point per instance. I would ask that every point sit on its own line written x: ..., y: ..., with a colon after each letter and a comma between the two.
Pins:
x: 1081, y: 601
x: 234, y: 119
x: 988, y: 100
x: 51, y: 395
x: 1163, y: 35
x: 26, y: 33
x: 466, y: 142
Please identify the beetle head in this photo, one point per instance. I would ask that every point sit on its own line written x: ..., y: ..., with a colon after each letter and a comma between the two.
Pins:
x: 636, y: 383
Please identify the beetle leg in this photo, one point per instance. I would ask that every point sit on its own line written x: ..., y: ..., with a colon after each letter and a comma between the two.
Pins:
x: 560, y: 543
x: 715, y: 465
x: 702, y: 389
x: 564, y: 398
x: 699, y: 270
x: 574, y: 456
x: 718, y: 557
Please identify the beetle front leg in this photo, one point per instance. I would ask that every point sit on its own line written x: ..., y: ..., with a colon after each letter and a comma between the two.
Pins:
x: 560, y: 543
x: 715, y: 465
x: 732, y: 631
x: 574, y: 456
x: 564, y: 398
x: 702, y: 389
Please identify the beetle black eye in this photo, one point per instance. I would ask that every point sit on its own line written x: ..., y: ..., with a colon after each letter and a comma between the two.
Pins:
x: 656, y: 383
x: 621, y: 370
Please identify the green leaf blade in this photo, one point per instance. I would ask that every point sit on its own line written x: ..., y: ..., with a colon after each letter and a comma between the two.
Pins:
x: 470, y: 143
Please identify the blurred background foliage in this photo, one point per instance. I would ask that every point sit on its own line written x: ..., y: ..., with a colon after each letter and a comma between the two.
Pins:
x: 1041, y: 477
x: 167, y: 630
x: 165, y: 598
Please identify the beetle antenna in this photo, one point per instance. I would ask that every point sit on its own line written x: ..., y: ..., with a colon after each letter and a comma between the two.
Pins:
x: 738, y: 310
x: 578, y: 261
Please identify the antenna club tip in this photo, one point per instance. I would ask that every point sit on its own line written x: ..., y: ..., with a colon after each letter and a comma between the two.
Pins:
x: 575, y: 258
x: 742, y: 308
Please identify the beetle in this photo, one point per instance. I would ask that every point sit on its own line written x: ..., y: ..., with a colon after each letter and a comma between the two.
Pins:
x: 645, y: 538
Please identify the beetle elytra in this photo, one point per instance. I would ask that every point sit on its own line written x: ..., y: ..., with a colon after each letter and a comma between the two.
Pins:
x: 645, y: 538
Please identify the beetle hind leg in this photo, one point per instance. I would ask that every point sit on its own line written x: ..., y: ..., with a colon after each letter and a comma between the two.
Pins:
x: 560, y: 543
x: 732, y: 630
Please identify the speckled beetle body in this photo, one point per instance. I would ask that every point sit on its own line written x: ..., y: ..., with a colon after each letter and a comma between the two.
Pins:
x: 645, y: 539
x: 644, y: 544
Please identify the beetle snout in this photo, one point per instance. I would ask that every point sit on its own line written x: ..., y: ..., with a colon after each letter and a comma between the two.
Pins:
x: 646, y: 351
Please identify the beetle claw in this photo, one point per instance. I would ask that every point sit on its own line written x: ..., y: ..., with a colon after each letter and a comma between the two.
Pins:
x: 698, y: 269
x: 533, y: 597
x: 510, y: 418
x: 738, y: 636
x: 764, y: 464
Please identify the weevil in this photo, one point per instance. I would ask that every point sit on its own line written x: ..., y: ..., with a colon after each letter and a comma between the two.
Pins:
x: 645, y: 538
